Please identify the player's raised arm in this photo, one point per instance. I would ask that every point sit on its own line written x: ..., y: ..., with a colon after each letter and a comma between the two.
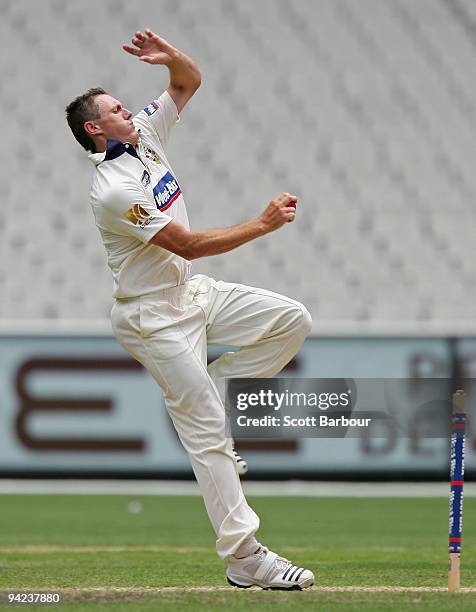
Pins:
x: 185, y: 77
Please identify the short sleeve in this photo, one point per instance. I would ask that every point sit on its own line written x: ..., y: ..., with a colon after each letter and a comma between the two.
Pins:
x: 126, y: 210
x: 160, y: 116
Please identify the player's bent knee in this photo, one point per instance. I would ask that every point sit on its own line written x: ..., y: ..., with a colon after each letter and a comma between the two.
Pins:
x: 306, y: 321
x: 299, y: 320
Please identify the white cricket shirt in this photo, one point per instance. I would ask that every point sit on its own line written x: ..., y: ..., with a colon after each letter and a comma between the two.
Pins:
x: 134, y: 194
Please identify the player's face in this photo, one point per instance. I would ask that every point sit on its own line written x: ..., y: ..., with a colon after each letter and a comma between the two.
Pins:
x: 116, y: 120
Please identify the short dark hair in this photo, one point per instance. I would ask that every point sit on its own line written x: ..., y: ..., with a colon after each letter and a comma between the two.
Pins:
x: 81, y: 109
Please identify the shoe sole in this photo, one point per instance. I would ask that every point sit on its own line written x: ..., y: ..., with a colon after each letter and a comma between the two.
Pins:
x: 294, y: 587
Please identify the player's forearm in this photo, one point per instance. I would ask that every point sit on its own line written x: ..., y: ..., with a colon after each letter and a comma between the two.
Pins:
x: 216, y: 241
x: 176, y: 238
x: 184, y: 73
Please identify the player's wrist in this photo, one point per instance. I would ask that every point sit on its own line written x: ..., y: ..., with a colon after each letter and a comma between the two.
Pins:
x: 176, y: 58
x: 262, y: 227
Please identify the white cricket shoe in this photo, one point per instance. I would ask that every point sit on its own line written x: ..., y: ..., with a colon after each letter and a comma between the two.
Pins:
x: 241, y: 464
x: 267, y: 570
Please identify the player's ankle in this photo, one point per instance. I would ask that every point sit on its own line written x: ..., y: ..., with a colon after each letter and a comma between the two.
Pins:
x: 247, y: 548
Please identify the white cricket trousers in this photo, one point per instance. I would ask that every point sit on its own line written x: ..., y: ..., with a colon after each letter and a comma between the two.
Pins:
x: 168, y: 333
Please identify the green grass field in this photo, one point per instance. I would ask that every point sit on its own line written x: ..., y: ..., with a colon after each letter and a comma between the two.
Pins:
x: 104, y: 556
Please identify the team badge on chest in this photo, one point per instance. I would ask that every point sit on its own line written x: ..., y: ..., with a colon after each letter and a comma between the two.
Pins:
x: 151, y: 154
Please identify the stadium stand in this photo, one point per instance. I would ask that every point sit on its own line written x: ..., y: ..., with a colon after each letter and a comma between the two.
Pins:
x: 365, y: 109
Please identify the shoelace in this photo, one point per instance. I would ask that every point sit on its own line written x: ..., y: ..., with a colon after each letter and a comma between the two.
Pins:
x: 281, y: 563
x: 261, y: 552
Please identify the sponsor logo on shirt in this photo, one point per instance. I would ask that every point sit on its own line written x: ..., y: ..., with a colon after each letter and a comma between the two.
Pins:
x: 166, y: 191
x: 152, y: 107
x: 145, y: 180
x: 138, y: 215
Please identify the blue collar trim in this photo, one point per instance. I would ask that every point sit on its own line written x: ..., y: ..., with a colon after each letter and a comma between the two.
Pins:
x: 115, y: 148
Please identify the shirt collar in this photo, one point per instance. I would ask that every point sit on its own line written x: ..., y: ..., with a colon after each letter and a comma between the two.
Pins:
x: 114, y: 149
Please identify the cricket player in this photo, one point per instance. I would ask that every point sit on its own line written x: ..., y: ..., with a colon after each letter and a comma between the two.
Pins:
x: 165, y: 317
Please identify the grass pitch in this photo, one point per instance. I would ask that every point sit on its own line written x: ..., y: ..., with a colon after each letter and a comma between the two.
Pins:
x: 158, y: 552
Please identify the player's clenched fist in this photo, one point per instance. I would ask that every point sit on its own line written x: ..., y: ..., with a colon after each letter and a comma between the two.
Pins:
x: 281, y: 210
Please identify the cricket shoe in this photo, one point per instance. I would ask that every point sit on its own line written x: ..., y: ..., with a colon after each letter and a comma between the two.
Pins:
x: 241, y: 464
x: 267, y: 570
